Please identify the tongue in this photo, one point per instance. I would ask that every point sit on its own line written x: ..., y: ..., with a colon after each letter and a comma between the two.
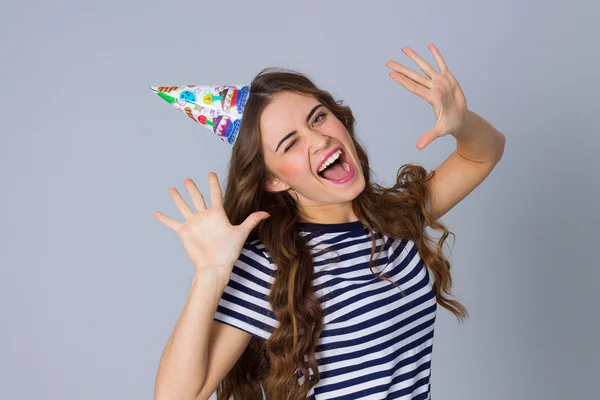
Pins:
x: 335, y: 172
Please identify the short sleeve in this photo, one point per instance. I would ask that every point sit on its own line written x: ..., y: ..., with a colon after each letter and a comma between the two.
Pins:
x: 244, y: 303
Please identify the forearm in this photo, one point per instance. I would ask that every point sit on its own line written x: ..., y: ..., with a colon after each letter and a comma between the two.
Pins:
x: 183, y: 365
x: 479, y: 141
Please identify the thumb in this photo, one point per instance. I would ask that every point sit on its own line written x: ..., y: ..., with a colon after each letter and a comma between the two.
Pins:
x: 253, y: 220
x: 427, y: 138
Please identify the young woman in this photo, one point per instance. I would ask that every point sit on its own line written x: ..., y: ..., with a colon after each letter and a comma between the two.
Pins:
x: 312, y: 281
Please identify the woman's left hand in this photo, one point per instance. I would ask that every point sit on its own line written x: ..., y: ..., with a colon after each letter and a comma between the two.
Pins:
x: 441, y: 90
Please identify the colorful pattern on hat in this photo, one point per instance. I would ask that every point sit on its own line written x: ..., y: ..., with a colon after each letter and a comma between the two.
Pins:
x: 218, y: 108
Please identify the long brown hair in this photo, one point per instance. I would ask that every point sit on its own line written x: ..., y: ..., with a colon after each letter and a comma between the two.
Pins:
x: 399, y: 212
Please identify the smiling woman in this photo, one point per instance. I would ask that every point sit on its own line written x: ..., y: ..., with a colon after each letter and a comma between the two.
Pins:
x: 335, y: 294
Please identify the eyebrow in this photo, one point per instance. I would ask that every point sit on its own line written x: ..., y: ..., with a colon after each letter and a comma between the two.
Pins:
x: 286, y: 137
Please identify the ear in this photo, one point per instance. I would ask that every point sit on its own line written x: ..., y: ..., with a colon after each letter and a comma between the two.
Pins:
x: 274, y: 185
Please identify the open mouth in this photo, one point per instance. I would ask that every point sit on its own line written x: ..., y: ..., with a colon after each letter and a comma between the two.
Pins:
x: 337, y: 169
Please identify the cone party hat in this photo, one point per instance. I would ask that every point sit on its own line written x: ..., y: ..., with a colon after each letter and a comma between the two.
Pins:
x: 218, y: 108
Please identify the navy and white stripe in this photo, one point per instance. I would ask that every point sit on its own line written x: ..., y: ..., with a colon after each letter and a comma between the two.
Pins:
x: 376, y: 342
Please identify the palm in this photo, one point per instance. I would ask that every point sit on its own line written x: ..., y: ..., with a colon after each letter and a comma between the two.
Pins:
x: 448, y: 104
x: 208, y: 235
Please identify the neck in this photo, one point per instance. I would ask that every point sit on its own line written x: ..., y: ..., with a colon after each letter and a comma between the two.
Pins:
x: 328, y: 214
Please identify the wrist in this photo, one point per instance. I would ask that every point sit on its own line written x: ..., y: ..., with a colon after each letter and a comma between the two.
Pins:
x: 211, y: 276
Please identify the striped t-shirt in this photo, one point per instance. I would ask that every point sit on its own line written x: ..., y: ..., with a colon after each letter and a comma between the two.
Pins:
x: 376, y: 342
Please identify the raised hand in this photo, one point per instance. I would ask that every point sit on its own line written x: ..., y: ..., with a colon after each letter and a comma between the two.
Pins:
x: 441, y: 90
x: 207, y: 235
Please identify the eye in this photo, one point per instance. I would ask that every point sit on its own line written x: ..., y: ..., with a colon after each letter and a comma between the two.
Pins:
x: 290, y: 145
x: 315, y: 121
x: 318, y: 118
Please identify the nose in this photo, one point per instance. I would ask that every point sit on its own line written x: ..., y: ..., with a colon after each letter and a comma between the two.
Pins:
x: 318, y: 142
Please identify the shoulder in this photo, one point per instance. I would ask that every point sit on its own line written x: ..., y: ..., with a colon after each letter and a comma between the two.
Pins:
x: 254, y: 260
x: 256, y: 250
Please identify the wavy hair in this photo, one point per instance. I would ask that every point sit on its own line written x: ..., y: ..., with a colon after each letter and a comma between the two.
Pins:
x: 275, y: 365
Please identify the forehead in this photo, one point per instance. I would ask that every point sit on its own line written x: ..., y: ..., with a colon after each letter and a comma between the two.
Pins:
x: 284, y: 114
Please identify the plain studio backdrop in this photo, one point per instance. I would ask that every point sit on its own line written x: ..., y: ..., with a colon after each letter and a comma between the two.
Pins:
x: 92, y: 284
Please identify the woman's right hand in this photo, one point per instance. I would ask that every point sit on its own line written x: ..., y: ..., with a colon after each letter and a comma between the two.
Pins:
x: 207, y: 235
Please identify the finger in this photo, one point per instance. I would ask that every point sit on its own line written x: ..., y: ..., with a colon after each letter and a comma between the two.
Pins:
x: 441, y: 63
x: 195, y: 194
x: 216, y: 197
x: 424, y: 65
x: 171, y: 223
x: 427, y: 138
x: 410, y: 85
x: 180, y: 203
x: 415, y: 76
x: 253, y: 220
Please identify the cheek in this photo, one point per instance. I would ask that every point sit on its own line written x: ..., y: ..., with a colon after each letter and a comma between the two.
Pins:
x: 293, y: 169
x: 288, y: 171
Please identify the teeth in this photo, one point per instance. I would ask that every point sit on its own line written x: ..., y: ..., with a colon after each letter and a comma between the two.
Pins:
x: 330, y: 160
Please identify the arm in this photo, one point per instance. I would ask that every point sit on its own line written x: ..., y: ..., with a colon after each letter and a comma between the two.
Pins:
x: 479, y: 145
x: 184, y: 363
x: 201, y: 351
x: 479, y: 148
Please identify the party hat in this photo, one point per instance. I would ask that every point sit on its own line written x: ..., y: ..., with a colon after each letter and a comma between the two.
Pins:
x: 218, y: 108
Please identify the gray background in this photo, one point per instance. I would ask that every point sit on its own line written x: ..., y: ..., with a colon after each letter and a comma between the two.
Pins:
x: 91, y: 284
